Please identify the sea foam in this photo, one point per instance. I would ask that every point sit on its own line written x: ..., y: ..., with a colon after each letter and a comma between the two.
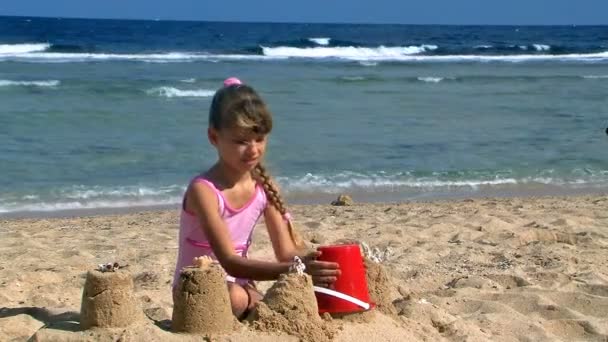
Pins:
x: 430, y: 79
x: 595, y: 77
x: 175, y: 92
x: 320, y: 41
x: 541, y: 47
x: 49, y: 83
x: 349, y: 52
x: 7, y: 49
x: 365, y: 55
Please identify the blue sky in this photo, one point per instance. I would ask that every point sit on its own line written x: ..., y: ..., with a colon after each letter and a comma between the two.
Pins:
x: 538, y: 12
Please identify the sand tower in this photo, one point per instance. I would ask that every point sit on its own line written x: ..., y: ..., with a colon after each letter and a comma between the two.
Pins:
x: 108, y: 300
x: 290, y: 306
x: 201, y: 302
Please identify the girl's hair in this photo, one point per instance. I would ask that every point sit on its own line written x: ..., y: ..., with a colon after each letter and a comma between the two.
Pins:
x: 239, y: 105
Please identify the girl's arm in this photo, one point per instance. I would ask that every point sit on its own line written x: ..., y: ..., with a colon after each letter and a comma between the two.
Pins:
x: 203, y: 202
x: 282, y: 244
x: 323, y: 273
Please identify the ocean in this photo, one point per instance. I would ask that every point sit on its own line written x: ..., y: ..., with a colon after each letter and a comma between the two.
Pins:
x: 113, y: 113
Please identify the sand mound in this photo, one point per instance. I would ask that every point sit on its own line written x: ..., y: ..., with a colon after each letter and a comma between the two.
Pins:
x: 108, y: 300
x: 290, y: 306
x: 202, y: 302
x: 379, y: 287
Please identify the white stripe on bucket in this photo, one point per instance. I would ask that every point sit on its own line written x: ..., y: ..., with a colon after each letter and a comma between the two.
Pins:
x: 341, y: 295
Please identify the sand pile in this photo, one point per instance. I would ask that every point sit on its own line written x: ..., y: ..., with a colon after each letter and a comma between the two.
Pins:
x: 379, y: 287
x: 108, y: 300
x: 202, y: 302
x: 290, y: 306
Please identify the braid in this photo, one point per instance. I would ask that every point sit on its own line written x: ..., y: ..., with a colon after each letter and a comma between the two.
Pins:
x: 273, y: 195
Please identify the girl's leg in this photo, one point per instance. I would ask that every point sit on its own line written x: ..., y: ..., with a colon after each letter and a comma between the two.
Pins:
x: 242, y: 299
x: 254, y: 295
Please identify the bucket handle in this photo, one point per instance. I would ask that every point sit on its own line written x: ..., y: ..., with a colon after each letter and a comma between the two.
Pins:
x: 341, y: 295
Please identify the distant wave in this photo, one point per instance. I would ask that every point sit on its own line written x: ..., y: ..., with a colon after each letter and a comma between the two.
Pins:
x: 513, y: 48
x: 10, y: 49
x: 188, y: 80
x: 175, y: 92
x: 93, y: 197
x: 347, y: 52
x: 368, y: 63
x: 353, y: 78
x: 435, y: 181
x: 470, y: 78
x: 49, y: 83
x: 47, y: 53
x: 430, y: 79
x: 594, y: 77
x: 320, y: 41
x: 379, y: 182
x: 541, y: 47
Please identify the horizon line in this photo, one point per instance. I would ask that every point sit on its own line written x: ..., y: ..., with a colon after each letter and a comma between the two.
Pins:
x: 283, y: 22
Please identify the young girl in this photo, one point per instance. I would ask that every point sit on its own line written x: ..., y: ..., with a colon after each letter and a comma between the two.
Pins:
x: 222, y: 205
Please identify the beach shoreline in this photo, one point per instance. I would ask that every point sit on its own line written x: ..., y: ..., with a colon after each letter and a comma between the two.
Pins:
x: 501, y: 269
x: 327, y: 198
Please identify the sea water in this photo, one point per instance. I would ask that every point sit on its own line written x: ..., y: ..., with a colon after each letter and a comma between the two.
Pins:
x: 113, y: 113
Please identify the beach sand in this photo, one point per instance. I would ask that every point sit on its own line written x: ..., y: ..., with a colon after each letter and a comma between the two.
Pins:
x: 506, y: 269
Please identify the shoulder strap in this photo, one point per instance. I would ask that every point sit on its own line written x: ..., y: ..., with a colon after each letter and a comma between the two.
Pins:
x: 218, y: 194
x: 262, y: 195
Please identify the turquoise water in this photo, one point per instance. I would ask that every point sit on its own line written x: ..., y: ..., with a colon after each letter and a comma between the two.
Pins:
x: 116, y: 117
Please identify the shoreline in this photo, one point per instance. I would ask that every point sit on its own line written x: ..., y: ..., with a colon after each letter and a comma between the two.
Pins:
x: 325, y: 198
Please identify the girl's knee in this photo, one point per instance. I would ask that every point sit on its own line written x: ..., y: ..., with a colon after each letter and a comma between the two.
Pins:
x: 239, y: 299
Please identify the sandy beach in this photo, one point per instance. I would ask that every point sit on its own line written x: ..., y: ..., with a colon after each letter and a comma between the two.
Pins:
x: 505, y: 269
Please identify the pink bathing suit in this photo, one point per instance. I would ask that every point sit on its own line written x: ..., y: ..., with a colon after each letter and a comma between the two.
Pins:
x: 240, y: 222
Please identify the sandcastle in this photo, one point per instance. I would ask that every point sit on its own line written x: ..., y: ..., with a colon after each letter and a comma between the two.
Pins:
x: 379, y: 285
x: 290, y: 306
x: 201, y: 300
x: 108, y: 300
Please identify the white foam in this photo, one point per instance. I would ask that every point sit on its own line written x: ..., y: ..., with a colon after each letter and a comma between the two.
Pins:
x: 590, y: 57
x: 365, y: 56
x: 431, y: 79
x: 541, y: 47
x: 483, y: 46
x: 353, y: 78
x: 94, y: 197
x: 49, y: 83
x: 101, y: 204
x: 189, y: 80
x: 347, y: 52
x: 320, y: 41
x: 368, y: 63
x: 175, y: 57
x: 593, y: 77
x: 8, y: 49
x: 175, y: 92
x: 349, y: 181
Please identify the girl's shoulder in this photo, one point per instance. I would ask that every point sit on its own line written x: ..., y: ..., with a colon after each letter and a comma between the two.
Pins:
x: 201, y: 191
x: 204, y: 180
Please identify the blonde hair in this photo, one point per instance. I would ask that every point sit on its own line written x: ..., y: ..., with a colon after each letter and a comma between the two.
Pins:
x: 239, y: 105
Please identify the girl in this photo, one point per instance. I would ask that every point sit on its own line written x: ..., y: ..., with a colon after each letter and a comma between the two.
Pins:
x: 222, y: 205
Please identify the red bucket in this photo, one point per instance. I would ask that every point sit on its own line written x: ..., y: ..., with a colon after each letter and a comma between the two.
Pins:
x: 351, y: 281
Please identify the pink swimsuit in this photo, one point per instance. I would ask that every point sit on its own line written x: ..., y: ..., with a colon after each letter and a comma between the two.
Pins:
x: 240, y: 222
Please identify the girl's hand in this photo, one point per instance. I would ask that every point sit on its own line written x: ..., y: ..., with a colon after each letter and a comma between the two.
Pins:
x: 323, y: 273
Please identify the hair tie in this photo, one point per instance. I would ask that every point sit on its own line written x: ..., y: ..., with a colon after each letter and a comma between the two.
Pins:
x: 232, y: 81
x: 287, y: 217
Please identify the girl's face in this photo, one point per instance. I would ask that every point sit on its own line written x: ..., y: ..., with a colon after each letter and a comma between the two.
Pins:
x: 240, y: 148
